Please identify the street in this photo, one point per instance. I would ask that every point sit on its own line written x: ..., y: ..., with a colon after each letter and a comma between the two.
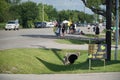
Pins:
x: 25, y: 38
x: 33, y: 38
x: 38, y: 38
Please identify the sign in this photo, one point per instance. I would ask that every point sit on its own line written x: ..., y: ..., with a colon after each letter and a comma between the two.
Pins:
x: 97, y: 51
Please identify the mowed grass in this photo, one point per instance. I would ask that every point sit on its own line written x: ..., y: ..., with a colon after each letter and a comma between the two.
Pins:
x: 72, y: 41
x: 50, y: 61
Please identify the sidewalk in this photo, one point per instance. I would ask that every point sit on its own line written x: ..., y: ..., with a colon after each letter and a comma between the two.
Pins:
x: 85, y: 76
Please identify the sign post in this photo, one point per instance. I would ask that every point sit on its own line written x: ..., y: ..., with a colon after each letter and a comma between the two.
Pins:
x: 97, y: 52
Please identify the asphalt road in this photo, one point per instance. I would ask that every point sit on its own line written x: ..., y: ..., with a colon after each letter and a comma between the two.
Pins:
x: 26, y: 38
x: 34, y: 38
x: 37, y: 38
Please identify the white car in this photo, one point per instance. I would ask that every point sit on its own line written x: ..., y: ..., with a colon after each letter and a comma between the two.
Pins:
x: 12, y: 25
x: 49, y: 24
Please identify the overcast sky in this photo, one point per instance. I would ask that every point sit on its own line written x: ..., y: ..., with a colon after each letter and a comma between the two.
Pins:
x: 65, y: 4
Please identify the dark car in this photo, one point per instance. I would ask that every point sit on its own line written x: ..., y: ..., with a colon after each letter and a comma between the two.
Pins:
x: 40, y: 24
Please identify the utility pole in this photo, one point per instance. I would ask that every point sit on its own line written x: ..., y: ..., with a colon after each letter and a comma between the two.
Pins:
x: 43, y: 11
x: 84, y: 18
x: 108, y: 28
x: 117, y: 30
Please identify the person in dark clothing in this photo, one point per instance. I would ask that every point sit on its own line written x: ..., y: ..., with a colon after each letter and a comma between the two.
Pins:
x: 97, y: 32
x: 72, y: 28
x: 63, y: 30
x: 59, y: 26
x: 82, y: 33
x: 93, y: 29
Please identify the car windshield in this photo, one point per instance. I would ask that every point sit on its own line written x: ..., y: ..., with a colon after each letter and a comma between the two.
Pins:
x: 38, y: 22
x: 11, y: 22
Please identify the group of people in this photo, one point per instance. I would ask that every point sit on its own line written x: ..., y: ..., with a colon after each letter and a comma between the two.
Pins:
x: 62, y: 29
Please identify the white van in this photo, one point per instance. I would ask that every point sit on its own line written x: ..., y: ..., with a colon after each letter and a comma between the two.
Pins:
x: 12, y: 25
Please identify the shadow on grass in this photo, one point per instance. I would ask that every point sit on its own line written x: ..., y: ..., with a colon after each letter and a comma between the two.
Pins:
x: 113, y: 62
x: 77, y: 41
x: 40, y: 36
x: 57, y: 68
x: 71, y: 38
x: 80, y: 66
x: 98, y: 63
x: 57, y: 55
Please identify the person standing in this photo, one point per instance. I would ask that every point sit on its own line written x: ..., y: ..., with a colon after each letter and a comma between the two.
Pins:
x: 97, y: 32
x: 63, y: 30
x: 57, y: 29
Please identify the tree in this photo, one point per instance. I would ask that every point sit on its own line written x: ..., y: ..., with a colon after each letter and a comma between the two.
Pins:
x: 75, y: 16
x: 13, y: 2
x: 14, y: 12
x: 28, y: 13
x: 42, y: 14
x: 96, y: 6
x: 62, y: 15
x: 8, y: 10
x: 110, y: 9
x: 4, y: 8
x: 51, y: 12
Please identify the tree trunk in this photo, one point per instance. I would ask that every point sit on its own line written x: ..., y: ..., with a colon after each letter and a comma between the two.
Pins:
x: 119, y: 28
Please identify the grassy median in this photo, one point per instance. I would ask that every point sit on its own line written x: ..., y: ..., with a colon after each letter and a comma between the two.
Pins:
x: 50, y: 61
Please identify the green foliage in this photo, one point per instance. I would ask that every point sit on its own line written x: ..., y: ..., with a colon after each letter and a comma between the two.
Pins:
x: 95, y: 6
x: 13, y: 2
x: 14, y: 11
x: 72, y: 41
x: 28, y: 11
x: 8, y: 10
x: 75, y: 16
x: 42, y: 61
x: 94, y: 3
x: 51, y: 11
x: 2, y: 25
x: 4, y: 10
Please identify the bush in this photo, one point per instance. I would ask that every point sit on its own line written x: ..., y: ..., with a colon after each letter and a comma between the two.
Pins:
x: 2, y: 25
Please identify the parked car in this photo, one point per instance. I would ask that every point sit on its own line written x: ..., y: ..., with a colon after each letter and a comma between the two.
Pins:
x: 40, y: 24
x: 12, y: 25
x: 49, y: 24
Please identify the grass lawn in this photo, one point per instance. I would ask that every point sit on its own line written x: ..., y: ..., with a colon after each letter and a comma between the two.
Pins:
x: 49, y: 61
x: 74, y: 41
